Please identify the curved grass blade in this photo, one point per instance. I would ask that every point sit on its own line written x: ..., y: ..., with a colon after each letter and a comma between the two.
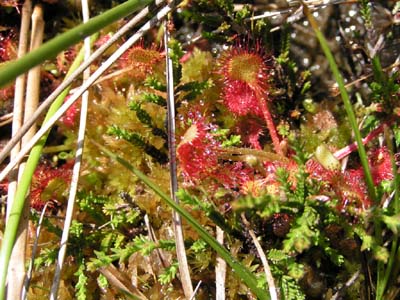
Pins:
x: 346, y: 101
x: 19, y: 200
x: 248, y: 278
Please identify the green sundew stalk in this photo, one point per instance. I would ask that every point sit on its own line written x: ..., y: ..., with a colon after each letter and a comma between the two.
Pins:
x: 25, y: 182
x: 12, y: 69
x: 346, y: 101
x: 248, y: 278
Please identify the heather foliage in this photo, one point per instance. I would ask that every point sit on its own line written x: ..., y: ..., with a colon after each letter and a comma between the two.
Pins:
x: 261, y: 134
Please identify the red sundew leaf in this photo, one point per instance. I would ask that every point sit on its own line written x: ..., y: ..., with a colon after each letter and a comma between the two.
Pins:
x: 233, y: 175
x: 250, y: 131
x: 381, y: 166
x: 8, y: 46
x: 9, y: 3
x: 42, y: 178
x: 198, y: 156
x: 244, y: 73
x: 352, y: 190
x: 197, y: 152
x: 318, y: 172
x: 142, y: 61
x: 69, y: 119
x: 349, y: 186
x: 241, y: 99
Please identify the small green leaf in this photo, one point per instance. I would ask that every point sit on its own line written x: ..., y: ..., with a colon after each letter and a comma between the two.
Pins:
x: 392, y: 222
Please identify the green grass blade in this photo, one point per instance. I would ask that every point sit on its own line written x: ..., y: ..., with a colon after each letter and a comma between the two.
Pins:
x: 346, y: 101
x: 24, y: 184
x: 248, y: 278
x: 49, y: 50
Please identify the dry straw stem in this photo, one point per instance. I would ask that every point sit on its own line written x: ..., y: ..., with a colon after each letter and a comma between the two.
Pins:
x: 177, y: 222
x: 19, y: 95
x: 220, y: 269
x: 16, y: 274
x: 28, y: 276
x: 268, y: 274
x: 76, y: 168
x: 296, y: 9
x: 122, y: 284
x: 152, y: 237
x: 103, y: 67
x: 195, y: 290
x: 6, y: 119
x: 67, y: 82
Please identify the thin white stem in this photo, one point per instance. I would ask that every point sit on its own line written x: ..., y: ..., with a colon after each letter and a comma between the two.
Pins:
x: 46, y: 103
x: 153, y: 238
x: 76, y: 168
x: 103, y: 67
x: 34, y: 250
x: 294, y: 8
x: 177, y: 222
x: 6, y: 117
x: 268, y: 274
x: 220, y: 270
x: 195, y: 290
x: 347, y: 285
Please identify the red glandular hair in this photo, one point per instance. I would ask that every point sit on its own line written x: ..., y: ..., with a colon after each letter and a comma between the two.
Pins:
x: 349, y: 186
x: 198, y: 151
x: 44, y: 175
x: 244, y: 73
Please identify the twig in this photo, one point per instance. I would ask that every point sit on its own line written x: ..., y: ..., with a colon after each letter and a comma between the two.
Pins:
x: 103, y: 67
x: 294, y: 6
x: 365, y: 77
x: 195, y: 290
x: 177, y: 222
x: 347, y: 285
x: 34, y: 250
x: 220, y: 269
x: 76, y: 168
x: 19, y: 98
x: 153, y: 238
x: 43, y: 107
x: 6, y: 119
x: 116, y: 279
x: 268, y: 275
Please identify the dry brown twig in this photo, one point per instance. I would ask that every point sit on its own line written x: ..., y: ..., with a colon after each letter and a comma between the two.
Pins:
x: 270, y: 279
x: 176, y: 218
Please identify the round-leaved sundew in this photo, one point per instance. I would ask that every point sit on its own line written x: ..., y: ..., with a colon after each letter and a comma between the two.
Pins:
x: 244, y: 73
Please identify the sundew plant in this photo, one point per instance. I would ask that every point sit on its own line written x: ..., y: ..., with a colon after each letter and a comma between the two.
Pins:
x: 199, y: 149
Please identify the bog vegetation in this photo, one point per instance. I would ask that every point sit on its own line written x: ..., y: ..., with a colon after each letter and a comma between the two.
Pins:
x: 285, y: 144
